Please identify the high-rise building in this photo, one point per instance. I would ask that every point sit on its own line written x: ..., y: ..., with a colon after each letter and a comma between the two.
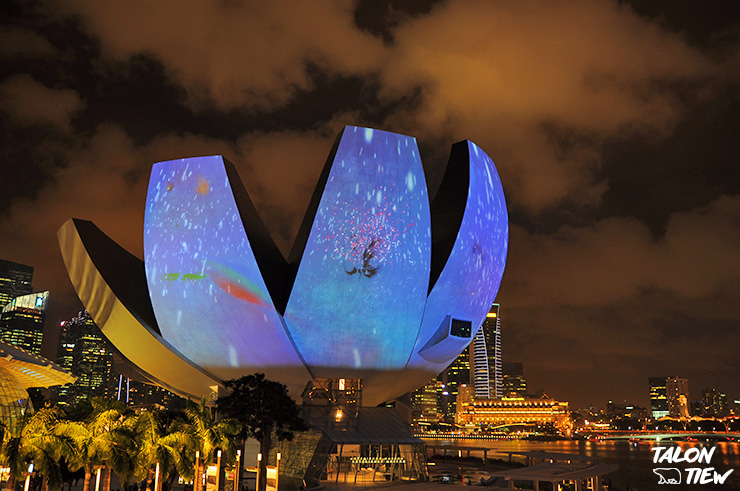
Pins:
x: 486, y: 357
x: 85, y: 352
x: 89, y: 356
x: 714, y: 404
x: 15, y: 281
x: 514, y: 383
x: 424, y: 403
x: 465, y: 396
x: 457, y: 374
x: 658, y: 397
x: 22, y: 321
x: 677, y: 392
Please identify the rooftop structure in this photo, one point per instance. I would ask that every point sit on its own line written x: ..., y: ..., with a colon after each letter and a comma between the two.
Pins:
x: 20, y: 370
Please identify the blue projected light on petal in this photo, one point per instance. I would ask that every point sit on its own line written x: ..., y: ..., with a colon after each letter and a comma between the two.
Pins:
x: 204, y: 282
x: 364, y: 275
x: 468, y: 284
x: 381, y: 284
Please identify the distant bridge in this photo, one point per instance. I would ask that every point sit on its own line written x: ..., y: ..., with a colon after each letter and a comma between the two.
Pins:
x: 708, y: 435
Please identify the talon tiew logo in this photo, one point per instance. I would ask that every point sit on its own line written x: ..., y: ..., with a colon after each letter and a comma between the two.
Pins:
x: 668, y: 475
x: 693, y: 475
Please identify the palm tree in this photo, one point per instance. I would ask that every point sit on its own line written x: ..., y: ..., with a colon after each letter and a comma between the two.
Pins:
x: 36, y: 439
x: 158, y: 447
x: 103, y: 437
x: 208, y: 435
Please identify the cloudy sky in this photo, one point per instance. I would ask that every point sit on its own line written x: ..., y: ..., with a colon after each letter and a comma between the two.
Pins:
x: 614, y: 127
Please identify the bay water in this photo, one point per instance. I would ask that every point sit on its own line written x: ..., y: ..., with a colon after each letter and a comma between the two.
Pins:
x: 635, y: 461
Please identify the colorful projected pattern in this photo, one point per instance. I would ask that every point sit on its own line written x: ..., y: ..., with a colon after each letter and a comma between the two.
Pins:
x: 471, y: 277
x: 206, y: 289
x: 360, y: 305
x: 361, y: 286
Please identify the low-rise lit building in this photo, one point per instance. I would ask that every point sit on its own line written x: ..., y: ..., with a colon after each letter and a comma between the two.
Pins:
x: 499, y: 412
x: 20, y: 370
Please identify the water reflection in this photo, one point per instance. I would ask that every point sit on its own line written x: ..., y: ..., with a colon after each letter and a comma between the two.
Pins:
x: 635, y: 461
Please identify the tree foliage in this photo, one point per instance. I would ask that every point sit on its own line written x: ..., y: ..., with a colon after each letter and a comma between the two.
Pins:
x: 262, y: 407
x: 102, y: 432
x: 104, y: 436
x: 34, y: 438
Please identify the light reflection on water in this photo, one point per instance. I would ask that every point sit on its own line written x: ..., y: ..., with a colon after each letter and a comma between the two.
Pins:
x: 635, y: 462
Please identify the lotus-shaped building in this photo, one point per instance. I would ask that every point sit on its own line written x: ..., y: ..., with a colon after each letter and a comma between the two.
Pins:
x: 381, y: 284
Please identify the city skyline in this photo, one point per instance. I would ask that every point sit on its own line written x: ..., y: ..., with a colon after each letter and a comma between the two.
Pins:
x: 660, y: 388
x: 613, y: 126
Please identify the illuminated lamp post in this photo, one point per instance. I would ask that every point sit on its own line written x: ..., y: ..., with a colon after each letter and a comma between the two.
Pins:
x: 237, y: 470
x: 277, y: 472
x: 259, y: 464
x: 218, y: 469
x: 28, y: 477
x: 196, y: 487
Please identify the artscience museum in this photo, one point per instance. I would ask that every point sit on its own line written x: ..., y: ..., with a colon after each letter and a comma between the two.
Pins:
x: 384, y: 284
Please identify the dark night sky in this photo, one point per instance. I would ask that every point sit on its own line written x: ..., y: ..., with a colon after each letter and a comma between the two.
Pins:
x: 614, y: 126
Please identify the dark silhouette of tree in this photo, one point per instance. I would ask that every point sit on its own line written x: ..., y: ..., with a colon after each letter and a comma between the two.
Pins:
x: 263, y: 407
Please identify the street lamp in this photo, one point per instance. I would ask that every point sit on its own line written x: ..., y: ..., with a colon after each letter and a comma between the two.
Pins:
x: 28, y: 477
x: 237, y: 470
x: 277, y: 472
x: 259, y: 464
x: 218, y: 469
x: 197, y: 468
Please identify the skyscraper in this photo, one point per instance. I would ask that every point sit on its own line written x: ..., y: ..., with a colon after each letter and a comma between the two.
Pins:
x: 15, y: 281
x: 515, y: 385
x: 677, y: 391
x: 22, y: 321
x: 89, y: 356
x: 658, y: 397
x: 486, y: 357
x: 479, y: 365
x: 424, y: 403
x: 714, y: 404
x: 84, y: 351
x: 457, y: 374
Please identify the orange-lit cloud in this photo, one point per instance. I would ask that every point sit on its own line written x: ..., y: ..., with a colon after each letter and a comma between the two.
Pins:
x: 544, y: 88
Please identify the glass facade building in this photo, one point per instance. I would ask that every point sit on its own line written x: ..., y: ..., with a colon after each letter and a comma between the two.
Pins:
x: 22, y: 321
x: 514, y: 382
x: 486, y: 357
x: 455, y: 376
x: 677, y: 392
x: 15, y: 280
x: 658, y: 397
x: 85, y: 352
